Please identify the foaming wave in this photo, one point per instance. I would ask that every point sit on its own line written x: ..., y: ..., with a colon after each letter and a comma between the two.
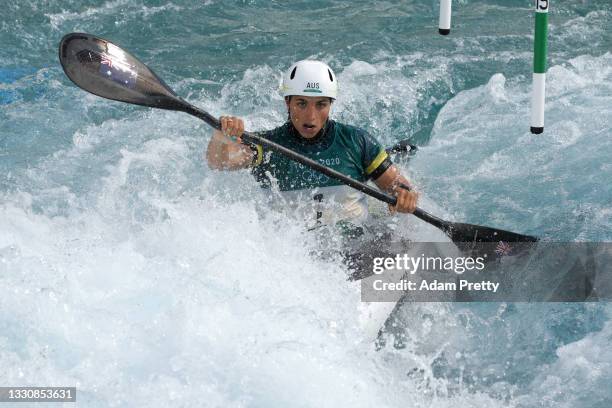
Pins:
x: 391, y: 98
x: 112, y: 269
x: 478, y: 136
x: 208, y: 298
x: 579, y: 375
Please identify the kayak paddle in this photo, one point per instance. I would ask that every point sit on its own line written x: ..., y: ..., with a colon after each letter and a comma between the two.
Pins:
x: 104, y: 69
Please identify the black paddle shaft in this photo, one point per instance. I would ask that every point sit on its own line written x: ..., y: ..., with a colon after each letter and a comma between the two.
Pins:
x: 253, y: 138
x: 458, y: 232
x: 104, y: 69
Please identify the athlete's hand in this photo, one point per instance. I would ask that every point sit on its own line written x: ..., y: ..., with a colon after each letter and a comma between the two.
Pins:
x: 232, y: 127
x: 406, y: 201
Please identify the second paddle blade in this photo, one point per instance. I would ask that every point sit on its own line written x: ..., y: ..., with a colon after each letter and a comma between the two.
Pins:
x: 102, y: 68
x: 469, y: 233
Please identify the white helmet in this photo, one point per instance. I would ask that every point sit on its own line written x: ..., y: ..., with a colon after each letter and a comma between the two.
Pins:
x: 310, y: 78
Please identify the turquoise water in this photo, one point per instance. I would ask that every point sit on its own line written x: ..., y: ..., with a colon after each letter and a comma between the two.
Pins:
x: 131, y: 270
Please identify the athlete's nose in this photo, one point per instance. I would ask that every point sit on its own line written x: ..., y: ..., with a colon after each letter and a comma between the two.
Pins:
x: 311, y: 112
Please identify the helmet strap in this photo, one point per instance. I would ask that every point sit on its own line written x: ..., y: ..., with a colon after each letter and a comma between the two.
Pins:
x: 288, y: 100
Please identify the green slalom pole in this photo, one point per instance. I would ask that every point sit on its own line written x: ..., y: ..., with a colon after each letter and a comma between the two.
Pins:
x: 539, y: 66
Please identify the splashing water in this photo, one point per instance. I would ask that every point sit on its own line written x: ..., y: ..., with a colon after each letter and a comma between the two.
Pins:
x: 131, y: 270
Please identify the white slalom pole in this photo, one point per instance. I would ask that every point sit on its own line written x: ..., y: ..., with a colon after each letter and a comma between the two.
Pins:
x: 539, y: 66
x: 445, y: 17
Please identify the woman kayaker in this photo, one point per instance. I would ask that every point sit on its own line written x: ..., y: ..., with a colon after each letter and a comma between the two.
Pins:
x: 310, y: 88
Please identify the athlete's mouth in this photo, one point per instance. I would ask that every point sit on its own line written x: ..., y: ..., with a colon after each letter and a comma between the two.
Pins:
x: 308, y: 126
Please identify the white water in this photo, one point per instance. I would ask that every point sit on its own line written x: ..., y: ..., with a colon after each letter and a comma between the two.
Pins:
x: 130, y: 270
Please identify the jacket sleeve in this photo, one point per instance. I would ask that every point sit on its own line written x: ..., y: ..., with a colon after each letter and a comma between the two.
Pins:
x: 375, y: 159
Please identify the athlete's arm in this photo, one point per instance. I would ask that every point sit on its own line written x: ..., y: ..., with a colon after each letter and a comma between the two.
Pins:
x: 391, y: 181
x: 223, y: 153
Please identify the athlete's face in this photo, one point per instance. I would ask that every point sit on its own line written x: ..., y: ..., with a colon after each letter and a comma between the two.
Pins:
x: 308, y: 114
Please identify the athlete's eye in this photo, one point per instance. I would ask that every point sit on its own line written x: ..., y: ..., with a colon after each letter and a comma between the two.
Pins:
x: 322, y: 105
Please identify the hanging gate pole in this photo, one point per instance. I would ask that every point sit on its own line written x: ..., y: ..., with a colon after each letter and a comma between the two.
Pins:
x: 539, y: 66
x: 445, y: 17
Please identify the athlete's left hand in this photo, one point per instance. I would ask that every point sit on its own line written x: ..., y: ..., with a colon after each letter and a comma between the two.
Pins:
x: 406, y: 201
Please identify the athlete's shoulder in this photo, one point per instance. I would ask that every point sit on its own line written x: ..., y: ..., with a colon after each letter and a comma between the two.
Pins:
x: 349, y: 129
x: 354, y: 135
x: 366, y: 150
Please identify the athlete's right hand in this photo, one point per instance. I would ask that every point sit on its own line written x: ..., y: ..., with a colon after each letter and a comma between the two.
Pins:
x: 232, y: 127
